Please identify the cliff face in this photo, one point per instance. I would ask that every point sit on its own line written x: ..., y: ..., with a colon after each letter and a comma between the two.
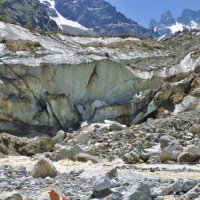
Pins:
x: 51, y: 82
x: 27, y: 13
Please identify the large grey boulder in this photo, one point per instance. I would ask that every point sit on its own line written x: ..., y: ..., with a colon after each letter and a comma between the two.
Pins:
x: 44, y: 168
x: 139, y: 191
x: 170, y: 149
x: 190, y: 154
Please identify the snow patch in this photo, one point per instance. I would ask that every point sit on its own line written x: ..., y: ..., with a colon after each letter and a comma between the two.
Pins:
x: 60, y: 20
x: 194, y: 25
x: 176, y: 27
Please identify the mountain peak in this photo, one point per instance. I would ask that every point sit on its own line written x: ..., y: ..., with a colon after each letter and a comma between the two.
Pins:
x: 167, y: 19
x: 99, y: 16
x: 189, y: 19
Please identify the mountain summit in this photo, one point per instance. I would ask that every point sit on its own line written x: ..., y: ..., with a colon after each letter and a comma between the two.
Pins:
x: 168, y: 25
x: 97, y: 15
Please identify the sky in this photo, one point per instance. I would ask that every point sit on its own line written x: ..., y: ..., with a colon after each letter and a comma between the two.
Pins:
x: 142, y: 11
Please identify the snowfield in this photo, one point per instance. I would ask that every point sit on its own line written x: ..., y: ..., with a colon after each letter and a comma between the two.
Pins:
x: 60, y: 20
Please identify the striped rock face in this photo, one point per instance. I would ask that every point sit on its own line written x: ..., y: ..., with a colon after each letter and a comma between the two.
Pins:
x: 50, y: 82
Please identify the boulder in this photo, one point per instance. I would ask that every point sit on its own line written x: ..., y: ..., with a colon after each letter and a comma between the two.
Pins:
x: 11, y: 196
x: 13, y: 145
x: 67, y: 153
x: 44, y: 168
x: 170, y: 148
x: 115, y: 126
x: 10, y: 145
x: 193, y: 193
x: 115, y: 196
x: 101, y: 183
x: 83, y: 157
x: 197, y: 69
x: 195, y: 129
x: 154, y: 151
x: 196, y: 92
x: 171, y: 152
x: 131, y: 158
x: 190, y: 154
x: 195, y: 87
x: 139, y: 191
x: 37, y: 145
x: 59, y: 137
x: 101, y: 187
x: 188, y: 103
x: 165, y: 140
x: 188, y: 185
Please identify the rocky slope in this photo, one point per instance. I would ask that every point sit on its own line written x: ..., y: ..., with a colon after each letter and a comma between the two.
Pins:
x: 51, y: 82
x: 27, y: 13
x: 107, y: 160
x: 168, y: 25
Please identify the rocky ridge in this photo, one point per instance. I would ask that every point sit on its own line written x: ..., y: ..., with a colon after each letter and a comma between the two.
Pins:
x: 168, y: 25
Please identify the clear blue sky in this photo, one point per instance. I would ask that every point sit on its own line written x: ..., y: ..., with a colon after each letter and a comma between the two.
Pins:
x: 144, y: 10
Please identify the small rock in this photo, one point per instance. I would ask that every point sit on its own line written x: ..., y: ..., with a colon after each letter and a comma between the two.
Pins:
x: 43, y: 168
